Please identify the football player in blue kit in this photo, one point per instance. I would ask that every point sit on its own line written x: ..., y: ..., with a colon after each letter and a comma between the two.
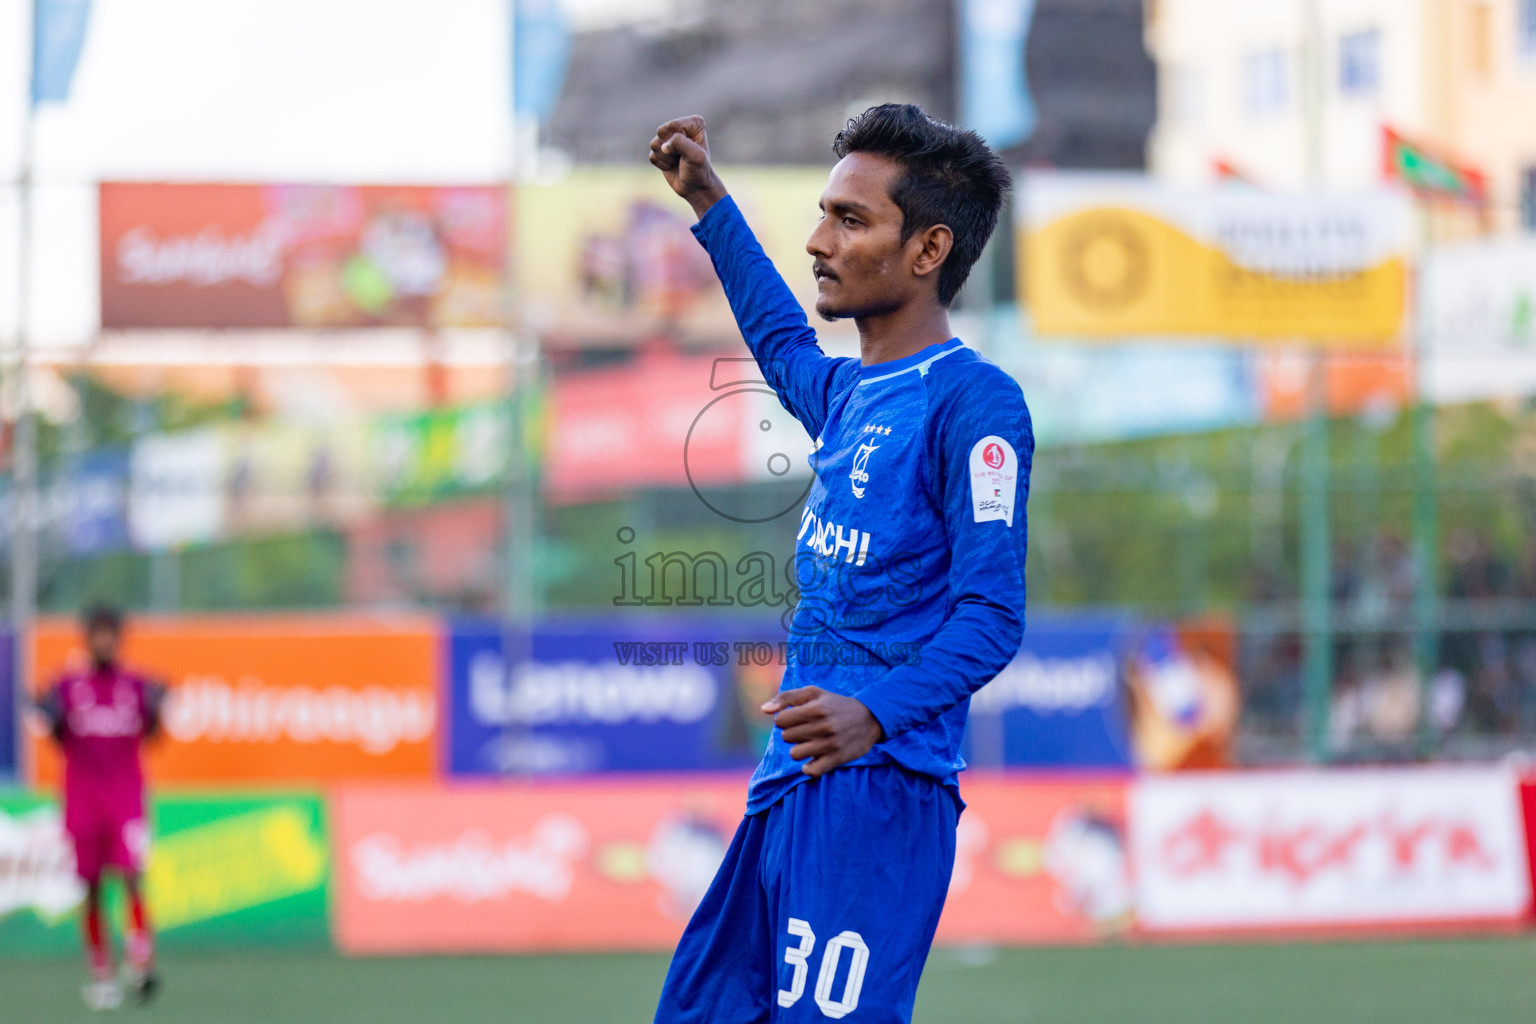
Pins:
x: 910, y: 565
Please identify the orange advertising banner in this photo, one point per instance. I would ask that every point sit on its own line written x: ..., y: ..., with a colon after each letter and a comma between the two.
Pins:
x: 285, y: 255
x: 622, y: 864
x: 275, y: 699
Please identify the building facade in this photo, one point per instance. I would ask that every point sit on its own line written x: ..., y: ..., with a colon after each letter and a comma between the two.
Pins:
x: 1296, y: 93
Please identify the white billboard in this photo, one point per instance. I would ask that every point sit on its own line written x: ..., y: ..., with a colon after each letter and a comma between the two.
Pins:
x: 1477, y: 312
x: 1299, y: 849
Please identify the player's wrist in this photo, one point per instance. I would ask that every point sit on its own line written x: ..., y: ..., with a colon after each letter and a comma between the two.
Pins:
x: 703, y: 198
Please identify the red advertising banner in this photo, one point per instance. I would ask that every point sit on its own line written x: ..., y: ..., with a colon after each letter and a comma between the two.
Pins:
x: 275, y: 699
x: 1039, y: 860
x: 175, y: 255
x: 606, y: 865
x: 621, y: 864
x: 669, y: 420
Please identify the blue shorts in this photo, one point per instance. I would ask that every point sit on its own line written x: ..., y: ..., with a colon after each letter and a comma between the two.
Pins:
x: 824, y: 907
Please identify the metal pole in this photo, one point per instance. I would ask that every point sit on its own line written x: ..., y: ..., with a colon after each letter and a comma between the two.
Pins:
x: 24, y: 475
x: 1426, y: 516
x: 1316, y: 564
x: 520, y: 504
x: 1316, y: 568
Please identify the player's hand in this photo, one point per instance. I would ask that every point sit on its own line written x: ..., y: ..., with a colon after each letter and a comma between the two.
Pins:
x: 827, y: 729
x: 681, y: 150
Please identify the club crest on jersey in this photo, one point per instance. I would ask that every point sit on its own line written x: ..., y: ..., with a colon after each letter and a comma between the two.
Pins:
x: 860, y: 475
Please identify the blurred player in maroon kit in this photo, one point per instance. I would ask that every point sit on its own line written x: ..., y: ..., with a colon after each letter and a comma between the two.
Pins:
x: 100, y: 714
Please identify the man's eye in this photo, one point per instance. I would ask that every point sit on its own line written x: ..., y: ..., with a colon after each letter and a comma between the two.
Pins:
x: 851, y: 222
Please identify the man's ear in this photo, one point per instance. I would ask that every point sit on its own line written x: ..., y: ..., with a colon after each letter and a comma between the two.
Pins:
x: 933, y: 246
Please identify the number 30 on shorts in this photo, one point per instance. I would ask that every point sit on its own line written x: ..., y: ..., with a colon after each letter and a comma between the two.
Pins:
x: 799, y: 958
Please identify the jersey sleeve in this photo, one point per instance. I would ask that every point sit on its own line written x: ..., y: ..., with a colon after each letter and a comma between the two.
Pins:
x: 770, y: 318
x: 981, y: 449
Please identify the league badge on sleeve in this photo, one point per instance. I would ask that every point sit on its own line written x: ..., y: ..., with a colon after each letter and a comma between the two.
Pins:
x: 994, y: 479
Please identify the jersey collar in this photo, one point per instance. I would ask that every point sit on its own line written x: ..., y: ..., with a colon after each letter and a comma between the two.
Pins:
x: 918, y: 361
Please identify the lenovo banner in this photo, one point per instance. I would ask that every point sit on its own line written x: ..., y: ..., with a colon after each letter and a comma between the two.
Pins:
x: 1059, y: 703
x: 611, y: 695
x: 276, y: 699
x: 1341, y: 848
x: 301, y: 255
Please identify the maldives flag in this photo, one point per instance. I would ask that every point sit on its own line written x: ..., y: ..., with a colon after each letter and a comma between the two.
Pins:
x: 1429, y: 174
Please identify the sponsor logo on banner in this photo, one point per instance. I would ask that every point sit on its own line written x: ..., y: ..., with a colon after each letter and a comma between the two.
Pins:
x: 1059, y: 703
x: 471, y: 867
x: 221, y: 868
x: 580, y: 698
x: 37, y: 863
x: 204, y: 255
x: 1050, y: 684
x: 1111, y: 255
x: 234, y: 863
x: 276, y: 699
x: 623, y: 865
x: 374, y: 719
x: 1340, y: 848
x: 592, y: 866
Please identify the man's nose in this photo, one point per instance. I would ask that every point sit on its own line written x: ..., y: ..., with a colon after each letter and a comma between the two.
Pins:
x: 817, y: 245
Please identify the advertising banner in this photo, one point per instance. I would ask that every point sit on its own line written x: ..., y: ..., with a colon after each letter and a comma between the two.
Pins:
x: 442, y: 453
x: 1341, y: 848
x: 1375, y: 384
x: 276, y: 699
x: 91, y: 501
x: 1479, y: 307
x: 177, y: 488
x: 671, y: 421
x: 622, y: 864
x: 606, y: 255
x: 8, y: 724
x: 222, y: 868
x: 1039, y: 860
x: 1087, y: 393
x: 449, y: 551
x: 1115, y: 255
x: 1060, y: 703
x: 613, y: 695
x: 611, y: 865
x: 283, y: 477
x: 181, y: 255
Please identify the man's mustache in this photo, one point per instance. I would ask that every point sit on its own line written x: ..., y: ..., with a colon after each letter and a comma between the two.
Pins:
x: 820, y: 269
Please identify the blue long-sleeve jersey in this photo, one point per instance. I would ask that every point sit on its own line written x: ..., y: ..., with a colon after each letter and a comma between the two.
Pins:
x: 910, y: 551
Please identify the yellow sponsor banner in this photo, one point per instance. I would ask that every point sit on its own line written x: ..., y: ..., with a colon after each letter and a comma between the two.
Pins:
x: 1114, y: 256
x: 236, y: 863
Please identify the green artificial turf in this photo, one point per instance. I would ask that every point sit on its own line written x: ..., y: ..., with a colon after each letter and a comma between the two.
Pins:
x: 1451, y: 981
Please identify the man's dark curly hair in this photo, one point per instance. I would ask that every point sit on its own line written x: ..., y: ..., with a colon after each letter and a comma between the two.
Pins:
x: 949, y: 176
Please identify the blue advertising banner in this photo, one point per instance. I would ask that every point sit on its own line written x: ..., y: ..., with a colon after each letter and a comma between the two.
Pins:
x: 8, y: 723
x: 582, y: 696
x: 1060, y: 703
x: 93, y: 502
